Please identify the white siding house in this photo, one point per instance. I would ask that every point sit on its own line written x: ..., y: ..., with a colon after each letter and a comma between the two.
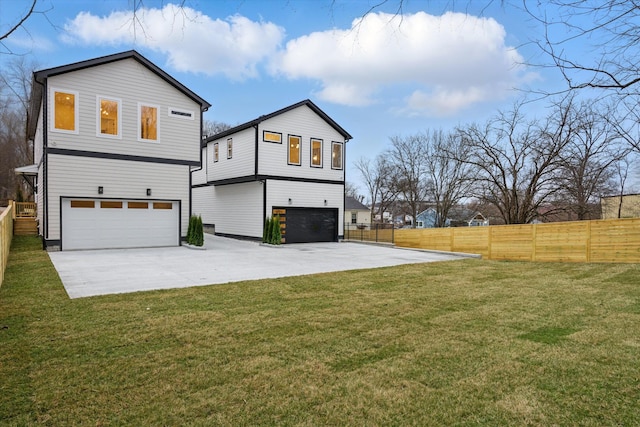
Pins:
x: 288, y: 163
x: 115, y: 139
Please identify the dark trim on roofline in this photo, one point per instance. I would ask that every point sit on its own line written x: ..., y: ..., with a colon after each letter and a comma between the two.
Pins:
x: 49, y: 72
x: 260, y: 119
x: 115, y: 156
x: 41, y: 77
x: 256, y: 178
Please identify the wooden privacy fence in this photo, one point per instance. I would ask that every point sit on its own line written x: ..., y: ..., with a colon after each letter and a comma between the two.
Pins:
x: 615, y: 240
x: 6, y: 235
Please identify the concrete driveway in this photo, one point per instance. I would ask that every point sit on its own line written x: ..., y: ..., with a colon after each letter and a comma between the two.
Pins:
x: 101, y: 272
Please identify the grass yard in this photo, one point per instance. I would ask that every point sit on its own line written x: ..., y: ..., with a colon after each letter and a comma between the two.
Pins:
x: 455, y: 343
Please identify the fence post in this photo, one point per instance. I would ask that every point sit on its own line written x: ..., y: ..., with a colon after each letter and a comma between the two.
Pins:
x: 533, y: 241
x: 588, y: 245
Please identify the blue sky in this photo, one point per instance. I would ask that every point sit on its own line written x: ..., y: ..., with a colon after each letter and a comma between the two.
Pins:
x: 378, y: 72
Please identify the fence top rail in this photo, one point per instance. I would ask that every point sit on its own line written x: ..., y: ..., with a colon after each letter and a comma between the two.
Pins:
x: 7, y: 211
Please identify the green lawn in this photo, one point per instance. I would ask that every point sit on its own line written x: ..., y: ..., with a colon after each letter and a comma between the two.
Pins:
x: 455, y: 343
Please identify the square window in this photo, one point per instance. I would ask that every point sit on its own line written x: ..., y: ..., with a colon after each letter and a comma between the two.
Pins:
x: 316, y: 153
x: 148, y: 123
x: 336, y: 155
x: 294, y: 150
x: 65, y: 113
x: 108, y: 121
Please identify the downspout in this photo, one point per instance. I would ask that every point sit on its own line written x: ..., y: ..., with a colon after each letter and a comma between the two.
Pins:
x: 344, y: 182
x: 256, y: 170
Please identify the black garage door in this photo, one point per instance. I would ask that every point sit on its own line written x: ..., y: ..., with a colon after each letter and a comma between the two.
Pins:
x: 304, y: 225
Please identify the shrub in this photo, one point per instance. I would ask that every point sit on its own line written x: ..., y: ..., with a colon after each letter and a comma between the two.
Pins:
x: 271, y: 233
x: 195, y: 232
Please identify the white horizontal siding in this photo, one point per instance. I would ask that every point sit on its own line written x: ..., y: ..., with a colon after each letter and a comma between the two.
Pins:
x: 303, y: 122
x: 40, y: 200
x: 131, y: 82
x: 38, y: 142
x: 234, y: 209
x: 203, y: 203
x: 70, y: 176
x: 307, y: 195
x: 242, y: 162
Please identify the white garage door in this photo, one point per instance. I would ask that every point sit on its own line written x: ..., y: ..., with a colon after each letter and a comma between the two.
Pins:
x: 104, y: 224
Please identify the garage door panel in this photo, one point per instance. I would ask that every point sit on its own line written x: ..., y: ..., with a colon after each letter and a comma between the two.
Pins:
x: 304, y: 225
x: 113, y: 224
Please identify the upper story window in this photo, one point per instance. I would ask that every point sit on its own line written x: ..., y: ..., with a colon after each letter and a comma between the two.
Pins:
x: 316, y: 153
x: 336, y: 155
x: 109, y: 123
x: 216, y: 152
x: 268, y: 136
x: 294, y: 150
x: 148, y: 123
x: 229, y: 148
x: 65, y: 111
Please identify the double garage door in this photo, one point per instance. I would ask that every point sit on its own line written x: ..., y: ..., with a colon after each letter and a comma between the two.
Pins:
x: 304, y: 225
x: 106, y: 224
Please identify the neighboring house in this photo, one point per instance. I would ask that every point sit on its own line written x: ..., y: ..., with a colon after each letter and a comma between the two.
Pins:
x: 464, y: 217
x: 428, y: 219
x: 115, y: 139
x: 625, y: 206
x: 458, y: 217
x: 289, y: 163
x: 355, y: 213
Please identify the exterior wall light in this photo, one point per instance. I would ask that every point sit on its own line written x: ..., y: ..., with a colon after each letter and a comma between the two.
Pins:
x: 148, y: 191
x: 290, y: 201
x: 100, y: 190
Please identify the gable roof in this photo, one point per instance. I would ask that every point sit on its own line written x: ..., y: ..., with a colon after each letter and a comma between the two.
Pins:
x: 353, y: 203
x: 40, y: 76
x: 260, y: 119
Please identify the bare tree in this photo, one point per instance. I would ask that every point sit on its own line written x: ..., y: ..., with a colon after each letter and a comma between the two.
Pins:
x: 351, y: 190
x: 588, y: 160
x: 377, y: 177
x: 408, y: 157
x: 15, y: 149
x: 450, y: 177
x: 20, y: 21
x: 213, y: 127
x: 517, y: 161
x: 609, y: 28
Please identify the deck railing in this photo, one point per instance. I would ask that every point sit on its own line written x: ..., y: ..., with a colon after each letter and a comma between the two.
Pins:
x: 24, y: 209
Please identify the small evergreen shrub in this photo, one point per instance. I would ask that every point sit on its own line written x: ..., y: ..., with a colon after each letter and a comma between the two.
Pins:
x: 271, y: 233
x: 198, y: 233
x: 195, y: 232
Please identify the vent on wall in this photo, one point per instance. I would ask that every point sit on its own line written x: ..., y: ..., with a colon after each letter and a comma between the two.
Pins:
x: 180, y: 113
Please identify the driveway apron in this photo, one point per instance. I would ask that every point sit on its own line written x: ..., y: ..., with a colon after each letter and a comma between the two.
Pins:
x: 224, y: 260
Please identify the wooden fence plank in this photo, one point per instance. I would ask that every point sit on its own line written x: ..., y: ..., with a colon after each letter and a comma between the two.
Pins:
x: 612, y: 240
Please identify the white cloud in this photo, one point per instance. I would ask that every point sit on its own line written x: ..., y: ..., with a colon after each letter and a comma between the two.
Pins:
x: 192, y: 41
x: 451, y: 61
x: 32, y: 43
